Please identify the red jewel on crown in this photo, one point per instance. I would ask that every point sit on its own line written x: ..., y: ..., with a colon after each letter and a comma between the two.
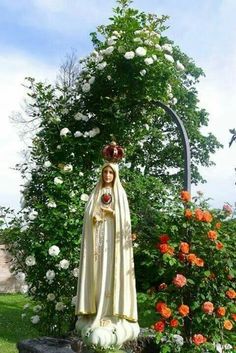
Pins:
x: 113, y: 152
x: 106, y: 198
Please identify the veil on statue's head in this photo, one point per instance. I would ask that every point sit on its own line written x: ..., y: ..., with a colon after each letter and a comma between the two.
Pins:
x: 112, y: 153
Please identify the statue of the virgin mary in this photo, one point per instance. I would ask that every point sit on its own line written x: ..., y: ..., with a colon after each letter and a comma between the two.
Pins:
x: 106, y: 295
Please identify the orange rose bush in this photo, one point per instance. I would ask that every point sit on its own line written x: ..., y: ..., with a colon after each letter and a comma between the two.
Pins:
x: 195, y: 301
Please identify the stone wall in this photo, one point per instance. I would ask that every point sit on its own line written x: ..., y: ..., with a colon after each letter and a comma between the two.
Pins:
x: 8, y: 283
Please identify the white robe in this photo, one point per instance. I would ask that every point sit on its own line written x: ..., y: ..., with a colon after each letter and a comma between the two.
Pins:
x: 106, y: 296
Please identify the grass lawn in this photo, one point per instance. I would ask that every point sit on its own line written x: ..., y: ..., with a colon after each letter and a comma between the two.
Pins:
x: 12, y: 327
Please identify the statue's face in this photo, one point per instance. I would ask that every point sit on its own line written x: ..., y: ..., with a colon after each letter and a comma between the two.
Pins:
x: 108, y: 175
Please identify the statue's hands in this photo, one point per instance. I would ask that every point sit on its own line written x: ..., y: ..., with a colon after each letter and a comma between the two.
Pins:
x: 108, y: 211
x: 97, y: 219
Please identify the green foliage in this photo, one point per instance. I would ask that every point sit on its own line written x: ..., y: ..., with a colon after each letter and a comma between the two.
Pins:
x: 133, y: 65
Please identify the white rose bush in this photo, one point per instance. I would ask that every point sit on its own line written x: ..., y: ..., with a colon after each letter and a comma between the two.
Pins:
x: 132, y: 65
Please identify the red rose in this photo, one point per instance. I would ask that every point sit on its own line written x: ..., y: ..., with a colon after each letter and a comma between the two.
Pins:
x: 174, y: 323
x: 159, y: 306
x: 159, y: 326
x: 164, y: 238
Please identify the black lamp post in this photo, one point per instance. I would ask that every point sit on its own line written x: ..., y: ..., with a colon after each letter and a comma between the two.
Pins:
x: 185, y: 141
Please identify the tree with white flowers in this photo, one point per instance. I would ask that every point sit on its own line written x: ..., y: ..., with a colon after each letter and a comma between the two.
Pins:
x: 133, y: 64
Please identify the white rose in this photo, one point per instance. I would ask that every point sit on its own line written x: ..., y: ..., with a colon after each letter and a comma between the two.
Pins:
x: 37, y: 308
x: 180, y: 66
x: 51, y: 297
x: 140, y: 51
x: 47, y: 164
x: 68, y: 168
x: 154, y: 57
x: 33, y: 215
x: 84, y: 197
x: 76, y: 272
x: 158, y: 47
x: 30, y: 260
x: 81, y: 174
x: 74, y: 300
x: 102, y: 65
x: 24, y: 228
x: 91, y: 80
x: 79, y: 116
x: 178, y: 339
x: 54, y: 250
x: 169, y: 58
x: 64, y: 264
x: 78, y: 134
x: 95, y: 131
x: 109, y: 77
x: 149, y: 61
x: 109, y: 50
x: 24, y: 289
x: 20, y: 277
x: 35, y: 319
x: 138, y: 31
x: 86, y: 87
x: 138, y: 40
x: 58, y: 180
x: 26, y: 306
x: 148, y: 42
x: 51, y: 204
x: 112, y: 40
x: 143, y: 72
x: 129, y: 55
x: 64, y: 132
x: 174, y: 101
x: 59, y: 306
x: 168, y: 48
x: 50, y: 275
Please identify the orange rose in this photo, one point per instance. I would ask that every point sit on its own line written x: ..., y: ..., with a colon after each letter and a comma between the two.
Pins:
x: 219, y: 245
x: 233, y: 316
x: 179, y: 281
x: 192, y: 258
x: 188, y: 213
x: 212, y: 235
x: 185, y: 196
x: 174, y: 323
x: 198, y: 214
x: 231, y: 294
x: 198, y: 339
x: 199, y: 262
x: 208, y: 307
x: 159, y: 326
x: 207, y: 217
x: 184, y: 247
x: 228, y: 325
x: 221, y: 311
x: 165, y: 312
x: 159, y: 306
x: 218, y: 225
x: 164, y: 238
x: 183, y: 310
